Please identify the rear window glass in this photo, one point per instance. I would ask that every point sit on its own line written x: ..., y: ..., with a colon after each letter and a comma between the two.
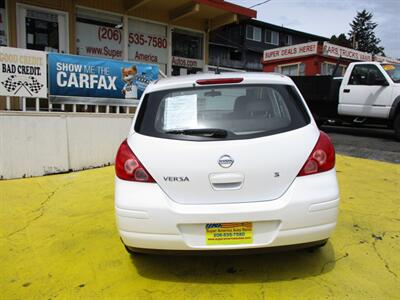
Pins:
x: 242, y: 111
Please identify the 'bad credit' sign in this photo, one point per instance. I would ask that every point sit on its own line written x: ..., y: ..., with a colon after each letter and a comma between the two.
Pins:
x: 71, y: 75
x: 23, y: 73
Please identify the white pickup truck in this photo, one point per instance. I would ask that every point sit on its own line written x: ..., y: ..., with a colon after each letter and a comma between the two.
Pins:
x: 369, y: 93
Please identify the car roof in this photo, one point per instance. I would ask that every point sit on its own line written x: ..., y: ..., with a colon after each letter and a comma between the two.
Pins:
x: 190, y: 80
x: 367, y: 63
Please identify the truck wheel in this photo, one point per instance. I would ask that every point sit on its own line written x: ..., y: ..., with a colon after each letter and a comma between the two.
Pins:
x: 396, y: 126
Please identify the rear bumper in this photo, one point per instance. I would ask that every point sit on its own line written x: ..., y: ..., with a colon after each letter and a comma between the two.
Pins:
x: 148, y: 219
x: 229, y: 251
x: 177, y: 242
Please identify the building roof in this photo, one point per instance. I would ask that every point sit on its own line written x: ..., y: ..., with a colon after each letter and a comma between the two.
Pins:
x: 211, y: 14
x: 271, y: 26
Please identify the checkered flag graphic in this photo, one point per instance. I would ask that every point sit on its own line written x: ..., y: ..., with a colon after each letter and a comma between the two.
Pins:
x: 34, y: 86
x: 142, y: 79
x: 141, y: 82
x: 11, y: 84
x: 14, y: 83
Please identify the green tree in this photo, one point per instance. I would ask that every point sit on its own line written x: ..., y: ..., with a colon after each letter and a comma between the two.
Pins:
x: 362, y: 33
x: 341, y: 40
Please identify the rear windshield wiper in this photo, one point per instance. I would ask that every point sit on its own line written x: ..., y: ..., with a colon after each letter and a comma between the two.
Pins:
x: 207, y: 132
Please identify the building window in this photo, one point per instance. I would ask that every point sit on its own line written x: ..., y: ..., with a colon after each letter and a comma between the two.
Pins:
x: 98, y: 34
x: 253, y: 33
x: 42, y: 29
x: 288, y: 40
x: 292, y: 70
x: 187, y: 44
x: 329, y: 68
x: 3, y: 24
x: 272, y: 37
x: 187, y: 52
x: 235, y: 54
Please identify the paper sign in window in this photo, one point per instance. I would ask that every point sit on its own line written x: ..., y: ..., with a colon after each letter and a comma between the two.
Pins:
x: 180, y: 112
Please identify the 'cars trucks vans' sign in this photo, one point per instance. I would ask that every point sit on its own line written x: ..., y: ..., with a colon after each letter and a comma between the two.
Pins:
x: 343, y: 52
x: 291, y: 51
x: 23, y: 73
x: 385, y: 59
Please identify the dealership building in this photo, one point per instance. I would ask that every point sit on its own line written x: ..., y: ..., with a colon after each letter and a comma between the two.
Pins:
x: 172, y: 34
x: 315, y: 58
x: 241, y: 45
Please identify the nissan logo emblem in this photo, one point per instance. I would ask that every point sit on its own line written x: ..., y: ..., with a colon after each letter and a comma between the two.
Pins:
x: 225, y: 161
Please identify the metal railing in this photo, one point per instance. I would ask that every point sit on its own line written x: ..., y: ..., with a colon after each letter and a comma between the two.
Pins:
x: 69, y: 104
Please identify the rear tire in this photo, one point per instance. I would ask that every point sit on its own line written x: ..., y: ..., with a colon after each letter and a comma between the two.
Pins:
x: 132, y: 252
x: 319, y: 245
x: 396, y: 126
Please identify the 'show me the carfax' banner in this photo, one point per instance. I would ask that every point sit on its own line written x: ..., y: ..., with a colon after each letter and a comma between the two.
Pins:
x: 71, y: 75
x: 23, y: 73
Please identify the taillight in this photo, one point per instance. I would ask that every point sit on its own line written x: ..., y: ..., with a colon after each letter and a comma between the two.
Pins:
x: 219, y: 81
x: 128, y: 167
x: 321, y: 159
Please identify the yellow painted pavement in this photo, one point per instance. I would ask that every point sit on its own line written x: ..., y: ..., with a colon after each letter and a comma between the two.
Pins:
x: 58, y: 240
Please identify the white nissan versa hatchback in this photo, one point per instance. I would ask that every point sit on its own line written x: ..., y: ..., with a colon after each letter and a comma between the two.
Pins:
x: 224, y: 162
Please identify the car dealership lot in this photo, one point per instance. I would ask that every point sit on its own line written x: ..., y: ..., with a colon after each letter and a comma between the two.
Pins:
x: 372, y: 143
x: 59, y: 241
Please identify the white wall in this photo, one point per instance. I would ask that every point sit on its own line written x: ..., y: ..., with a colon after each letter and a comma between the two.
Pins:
x: 35, y: 144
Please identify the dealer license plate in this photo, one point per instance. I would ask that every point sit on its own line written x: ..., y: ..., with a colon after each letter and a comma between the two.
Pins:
x: 229, y: 233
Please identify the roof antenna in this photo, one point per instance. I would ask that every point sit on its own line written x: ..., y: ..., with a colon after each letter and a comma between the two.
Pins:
x: 217, y: 71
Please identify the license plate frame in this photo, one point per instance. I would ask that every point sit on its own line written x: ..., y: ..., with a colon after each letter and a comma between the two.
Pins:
x: 234, y: 233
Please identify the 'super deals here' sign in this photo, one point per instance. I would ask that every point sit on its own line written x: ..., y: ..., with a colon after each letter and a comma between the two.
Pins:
x: 291, y: 51
x: 71, y: 75
x: 23, y: 73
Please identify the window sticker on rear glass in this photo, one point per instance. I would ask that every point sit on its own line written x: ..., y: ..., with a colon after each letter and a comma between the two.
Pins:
x: 180, y: 112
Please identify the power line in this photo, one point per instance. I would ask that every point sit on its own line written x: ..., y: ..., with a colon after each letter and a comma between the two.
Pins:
x: 258, y: 4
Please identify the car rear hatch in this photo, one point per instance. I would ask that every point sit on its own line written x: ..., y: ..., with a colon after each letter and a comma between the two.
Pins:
x: 257, y: 158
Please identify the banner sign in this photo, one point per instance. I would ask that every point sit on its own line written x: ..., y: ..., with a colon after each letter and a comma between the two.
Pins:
x: 343, y: 52
x: 291, y: 51
x: 385, y: 59
x: 103, y: 41
x: 147, y: 42
x: 23, y: 73
x: 71, y: 75
x: 99, y: 41
x: 187, y: 62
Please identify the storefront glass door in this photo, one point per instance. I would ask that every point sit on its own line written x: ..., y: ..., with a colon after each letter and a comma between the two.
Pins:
x: 42, y: 29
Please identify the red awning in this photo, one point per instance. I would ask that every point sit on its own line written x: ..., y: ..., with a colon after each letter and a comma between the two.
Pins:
x: 229, y: 7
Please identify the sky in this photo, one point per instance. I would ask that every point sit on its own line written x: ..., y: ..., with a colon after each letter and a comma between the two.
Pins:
x: 329, y: 17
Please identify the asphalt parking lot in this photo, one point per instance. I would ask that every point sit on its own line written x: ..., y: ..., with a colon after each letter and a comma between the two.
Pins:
x: 59, y: 241
x: 372, y: 143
